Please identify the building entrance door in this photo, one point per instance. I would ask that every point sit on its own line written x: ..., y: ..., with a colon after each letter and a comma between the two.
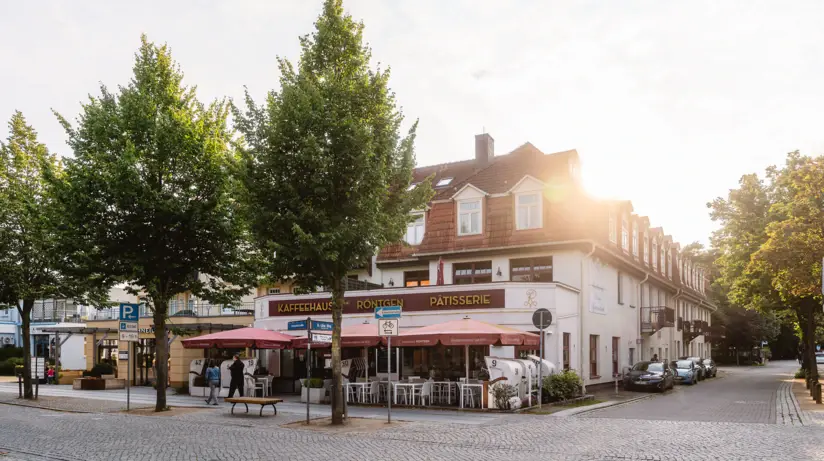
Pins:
x: 142, y: 365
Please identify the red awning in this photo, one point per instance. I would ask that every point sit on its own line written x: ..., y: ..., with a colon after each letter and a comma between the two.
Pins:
x: 465, y: 332
x: 360, y: 335
x: 241, y: 338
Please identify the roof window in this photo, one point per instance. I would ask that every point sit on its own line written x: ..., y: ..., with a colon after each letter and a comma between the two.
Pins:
x: 444, y: 182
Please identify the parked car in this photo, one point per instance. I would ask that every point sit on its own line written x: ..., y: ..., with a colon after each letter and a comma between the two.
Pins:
x: 819, y: 358
x: 699, y: 365
x: 649, y: 375
x: 712, y: 370
x: 684, y: 371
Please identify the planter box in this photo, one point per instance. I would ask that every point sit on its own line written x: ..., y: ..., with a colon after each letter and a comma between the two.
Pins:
x: 68, y: 377
x: 87, y: 384
x: 315, y: 395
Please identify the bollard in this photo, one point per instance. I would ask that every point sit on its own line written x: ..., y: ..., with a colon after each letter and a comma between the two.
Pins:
x: 817, y: 395
x: 807, y: 382
x: 20, y: 385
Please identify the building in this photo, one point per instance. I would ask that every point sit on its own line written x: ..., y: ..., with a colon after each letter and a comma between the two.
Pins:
x: 505, y: 235
x: 10, y: 328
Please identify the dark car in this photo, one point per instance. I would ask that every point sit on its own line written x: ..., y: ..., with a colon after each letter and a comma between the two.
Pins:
x: 655, y: 376
x: 712, y: 370
x: 699, y: 365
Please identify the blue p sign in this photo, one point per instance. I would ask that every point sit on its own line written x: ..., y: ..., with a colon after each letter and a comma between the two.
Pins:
x: 129, y: 312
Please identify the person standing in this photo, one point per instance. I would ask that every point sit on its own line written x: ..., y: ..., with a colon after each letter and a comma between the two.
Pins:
x: 50, y: 375
x: 236, y: 374
x: 213, y: 378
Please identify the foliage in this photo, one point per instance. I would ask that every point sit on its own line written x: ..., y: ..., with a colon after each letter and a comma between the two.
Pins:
x: 327, y: 174
x: 501, y: 393
x: 314, y: 383
x: 182, y: 390
x: 563, y: 386
x: 9, y: 352
x: 149, y: 198
x: 801, y: 374
x: 9, y: 365
x: 99, y: 369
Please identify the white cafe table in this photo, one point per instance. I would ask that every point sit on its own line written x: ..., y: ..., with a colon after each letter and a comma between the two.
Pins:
x: 358, y: 389
x: 463, y: 386
x: 411, y: 387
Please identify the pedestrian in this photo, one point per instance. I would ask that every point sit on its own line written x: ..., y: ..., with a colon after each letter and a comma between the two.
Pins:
x: 236, y: 374
x: 50, y: 375
x: 655, y: 358
x: 213, y: 378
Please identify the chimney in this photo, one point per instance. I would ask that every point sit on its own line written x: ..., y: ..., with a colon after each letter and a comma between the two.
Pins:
x: 484, y: 149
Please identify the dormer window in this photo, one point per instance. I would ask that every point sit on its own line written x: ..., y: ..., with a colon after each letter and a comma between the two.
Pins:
x: 669, y: 266
x: 654, y: 254
x: 646, y: 248
x: 443, y: 182
x: 635, y: 239
x: 469, y: 217
x: 415, y: 230
x: 624, y: 234
x: 663, y: 259
x: 612, y: 228
x: 528, y: 210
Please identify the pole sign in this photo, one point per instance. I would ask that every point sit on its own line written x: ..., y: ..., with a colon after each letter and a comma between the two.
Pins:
x: 129, y: 312
x: 541, y: 318
x: 321, y: 326
x: 297, y: 325
x: 388, y: 327
x: 129, y: 336
x: 388, y: 312
x: 122, y: 355
x: 128, y: 326
x: 321, y: 338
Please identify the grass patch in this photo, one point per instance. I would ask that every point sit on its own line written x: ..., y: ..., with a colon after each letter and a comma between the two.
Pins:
x: 554, y: 408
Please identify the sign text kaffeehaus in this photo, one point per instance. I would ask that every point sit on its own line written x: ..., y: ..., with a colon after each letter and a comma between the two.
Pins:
x: 414, y: 302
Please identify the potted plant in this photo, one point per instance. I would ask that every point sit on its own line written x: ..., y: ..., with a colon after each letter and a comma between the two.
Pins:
x: 313, y: 388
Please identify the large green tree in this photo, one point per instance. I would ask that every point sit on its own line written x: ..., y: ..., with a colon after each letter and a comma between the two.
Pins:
x: 328, y: 174
x: 149, y: 198
x: 29, y: 261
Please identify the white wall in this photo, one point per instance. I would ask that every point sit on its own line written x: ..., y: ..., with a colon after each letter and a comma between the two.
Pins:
x: 72, y: 353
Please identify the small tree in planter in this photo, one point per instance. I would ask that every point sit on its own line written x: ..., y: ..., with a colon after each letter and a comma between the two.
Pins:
x: 313, y: 389
x: 562, y: 386
x: 502, y: 393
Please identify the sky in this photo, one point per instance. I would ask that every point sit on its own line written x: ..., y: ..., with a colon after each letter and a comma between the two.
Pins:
x: 667, y: 103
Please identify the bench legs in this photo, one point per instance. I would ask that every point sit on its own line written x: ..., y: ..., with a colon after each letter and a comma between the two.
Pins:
x: 233, y: 408
x: 273, y: 408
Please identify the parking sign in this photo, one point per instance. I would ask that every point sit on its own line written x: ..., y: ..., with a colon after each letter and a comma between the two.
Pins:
x: 129, y: 312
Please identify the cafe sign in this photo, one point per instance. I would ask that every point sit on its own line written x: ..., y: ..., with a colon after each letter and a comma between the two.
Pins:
x: 409, y: 302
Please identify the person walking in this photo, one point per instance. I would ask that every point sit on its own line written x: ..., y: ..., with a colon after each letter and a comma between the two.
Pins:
x: 213, y: 378
x: 236, y: 373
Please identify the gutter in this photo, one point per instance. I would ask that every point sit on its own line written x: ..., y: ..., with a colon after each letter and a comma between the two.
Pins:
x: 581, y: 321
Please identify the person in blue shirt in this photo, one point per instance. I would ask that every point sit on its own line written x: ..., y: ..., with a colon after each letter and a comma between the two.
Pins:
x: 213, y: 378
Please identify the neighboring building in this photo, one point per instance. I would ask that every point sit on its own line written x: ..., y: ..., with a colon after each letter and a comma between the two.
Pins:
x: 10, y: 328
x: 514, y: 233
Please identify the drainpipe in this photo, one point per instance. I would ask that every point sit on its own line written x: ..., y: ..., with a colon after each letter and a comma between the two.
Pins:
x: 581, y: 322
x: 672, y: 332
x: 638, y: 320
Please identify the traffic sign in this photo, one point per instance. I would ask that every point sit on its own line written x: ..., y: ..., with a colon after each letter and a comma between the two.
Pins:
x: 128, y: 326
x: 388, y: 312
x: 322, y: 326
x: 129, y: 312
x: 122, y: 355
x: 541, y: 318
x: 296, y: 325
x: 131, y: 336
x: 321, y: 338
x: 388, y: 327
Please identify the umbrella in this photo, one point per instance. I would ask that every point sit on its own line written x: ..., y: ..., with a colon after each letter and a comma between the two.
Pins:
x: 466, y: 332
x: 257, y: 338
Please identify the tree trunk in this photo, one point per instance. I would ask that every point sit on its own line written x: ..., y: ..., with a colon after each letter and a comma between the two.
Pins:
x: 337, y: 317
x: 809, y: 314
x: 161, y: 307
x: 25, y: 326
x: 802, y: 322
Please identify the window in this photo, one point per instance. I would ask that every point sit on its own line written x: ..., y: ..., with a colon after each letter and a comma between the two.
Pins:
x: 443, y: 182
x: 663, y: 298
x: 624, y: 234
x: 612, y: 236
x: 566, y: 351
x: 654, y: 254
x: 531, y: 269
x: 416, y: 279
x: 529, y: 211
x: 469, y: 217
x: 468, y: 273
x: 646, y: 248
x: 669, y: 265
x: 663, y: 259
x: 643, y: 289
x: 620, y: 288
x: 415, y: 229
x: 635, y: 239
x: 631, y: 355
x: 593, y: 356
x: 274, y: 291
x: 615, y: 341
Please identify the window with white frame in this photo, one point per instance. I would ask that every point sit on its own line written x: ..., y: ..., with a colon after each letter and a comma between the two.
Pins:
x: 469, y: 217
x: 274, y: 291
x: 612, y: 228
x: 624, y: 234
x: 415, y: 229
x: 654, y: 254
x: 635, y: 239
x: 528, y: 211
x: 443, y: 182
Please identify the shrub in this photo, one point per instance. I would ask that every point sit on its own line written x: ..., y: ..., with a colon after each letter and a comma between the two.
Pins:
x: 562, y: 386
x: 801, y: 374
x: 183, y: 390
x: 9, y: 365
x: 98, y: 370
x: 502, y: 392
x: 314, y: 383
x: 9, y: 352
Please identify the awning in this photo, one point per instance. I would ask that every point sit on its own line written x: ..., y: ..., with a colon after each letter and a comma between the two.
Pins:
x: 241, y: 338
x: 465, y: 332
x: 361, y: 335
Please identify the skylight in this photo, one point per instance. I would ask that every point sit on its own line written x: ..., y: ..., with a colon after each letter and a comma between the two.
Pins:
x: 443, y: 182
x: 412, y: 186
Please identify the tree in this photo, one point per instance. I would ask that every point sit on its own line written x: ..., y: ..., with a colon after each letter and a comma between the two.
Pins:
x: 150, y: 197
x: 29, y: 262
x: 328, y: 175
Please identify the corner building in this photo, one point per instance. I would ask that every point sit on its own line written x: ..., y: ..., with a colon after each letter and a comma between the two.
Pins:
x: 512, y: 233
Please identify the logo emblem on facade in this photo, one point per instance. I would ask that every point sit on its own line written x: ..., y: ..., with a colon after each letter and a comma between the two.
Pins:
x: 531, y: 294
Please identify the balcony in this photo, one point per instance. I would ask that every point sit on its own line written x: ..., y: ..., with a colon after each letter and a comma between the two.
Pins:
x: 654, y: 318
x: 693, y: 329
x: 56, y: 311
x: 181, y: 310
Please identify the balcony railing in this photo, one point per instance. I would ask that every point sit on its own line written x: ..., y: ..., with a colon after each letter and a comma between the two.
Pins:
x: 56, y: 310
x: 179, y: 309
x: 654, y: 318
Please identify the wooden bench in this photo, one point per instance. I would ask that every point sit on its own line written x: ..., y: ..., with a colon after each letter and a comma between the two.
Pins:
x: 262, y: 401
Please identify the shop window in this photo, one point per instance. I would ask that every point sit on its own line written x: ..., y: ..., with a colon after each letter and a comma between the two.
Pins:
x: 528, y: 211
x: 416, y: 278
x: 615, y: 346
x: 469, y: 273
x: 593, y: 356
x: 531, y: 269
x: 415, y: 230
x: 469, y: 217
x: 566, y: 351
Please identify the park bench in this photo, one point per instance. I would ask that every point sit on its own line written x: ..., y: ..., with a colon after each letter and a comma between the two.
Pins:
x: 262, y: 401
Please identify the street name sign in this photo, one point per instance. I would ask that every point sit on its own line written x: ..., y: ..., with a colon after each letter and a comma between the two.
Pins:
x: 296, y: 325
x: 321, y: 326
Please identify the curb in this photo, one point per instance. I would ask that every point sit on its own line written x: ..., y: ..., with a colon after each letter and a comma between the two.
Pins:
x: 599, y: 406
